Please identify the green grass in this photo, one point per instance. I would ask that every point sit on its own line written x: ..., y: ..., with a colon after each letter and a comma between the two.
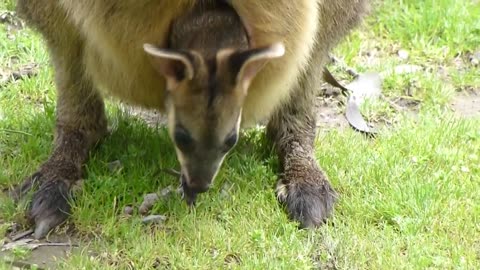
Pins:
x: 408, y: 199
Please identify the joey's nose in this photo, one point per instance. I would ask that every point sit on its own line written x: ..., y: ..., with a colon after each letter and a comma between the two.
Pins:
x: 198, y: 186
x: 192, y: 188
x: 199, y: 178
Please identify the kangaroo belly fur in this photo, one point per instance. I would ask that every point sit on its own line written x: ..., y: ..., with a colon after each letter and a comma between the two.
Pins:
x: 114, y: 32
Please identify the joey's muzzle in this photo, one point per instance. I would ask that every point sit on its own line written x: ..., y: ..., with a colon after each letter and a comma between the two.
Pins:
x: 197, y: 179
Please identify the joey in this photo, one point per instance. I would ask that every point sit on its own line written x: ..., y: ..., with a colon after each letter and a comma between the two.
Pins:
x: 208, y: 68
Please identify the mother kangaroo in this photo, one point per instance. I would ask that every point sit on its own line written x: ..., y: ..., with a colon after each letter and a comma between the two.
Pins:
x: 97, y: 49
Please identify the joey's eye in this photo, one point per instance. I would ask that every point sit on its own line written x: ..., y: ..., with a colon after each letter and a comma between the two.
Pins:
x: 183, y: 140
x: 231, y: 141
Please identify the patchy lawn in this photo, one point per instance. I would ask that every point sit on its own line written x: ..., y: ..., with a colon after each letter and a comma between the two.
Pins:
x: 409, y: 199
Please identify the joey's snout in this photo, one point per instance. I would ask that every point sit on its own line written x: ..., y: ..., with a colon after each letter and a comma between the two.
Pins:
x: 197, y: 178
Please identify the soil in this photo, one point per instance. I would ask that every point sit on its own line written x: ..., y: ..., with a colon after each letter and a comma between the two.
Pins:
x: 330, y: 114
x: 44, y: 257
x: 467, y: 104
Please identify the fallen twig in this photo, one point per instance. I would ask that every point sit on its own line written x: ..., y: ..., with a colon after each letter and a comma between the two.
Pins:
x: 19, y: 243
x: 56, y: 245
x: 22, y: 235
x: 26, y: 243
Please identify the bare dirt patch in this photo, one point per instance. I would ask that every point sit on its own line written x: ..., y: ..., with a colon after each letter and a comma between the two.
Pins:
x: 152, y: 118
x: 329, y: 107
x: 467, y: 104
x: 47, y: 255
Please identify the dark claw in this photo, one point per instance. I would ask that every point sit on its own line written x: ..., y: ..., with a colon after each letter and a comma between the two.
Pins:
x: 49, y: 207
x: 307, y: 196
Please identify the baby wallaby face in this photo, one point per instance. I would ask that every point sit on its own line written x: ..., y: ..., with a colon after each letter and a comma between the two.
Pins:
x: 204, y: 105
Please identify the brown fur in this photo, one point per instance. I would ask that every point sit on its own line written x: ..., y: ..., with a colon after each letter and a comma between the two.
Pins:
x: 304, y: 187
x: 96, y: 46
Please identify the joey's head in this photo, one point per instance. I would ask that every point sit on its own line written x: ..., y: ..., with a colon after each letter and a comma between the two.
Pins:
x: 205, y: 96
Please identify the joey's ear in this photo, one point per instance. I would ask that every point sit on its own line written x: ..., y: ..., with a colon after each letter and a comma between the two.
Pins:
x: 248, y: 63
x: 174, y: 65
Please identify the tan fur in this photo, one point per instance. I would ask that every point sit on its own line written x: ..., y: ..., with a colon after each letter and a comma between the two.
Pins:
x: 115, y: 60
